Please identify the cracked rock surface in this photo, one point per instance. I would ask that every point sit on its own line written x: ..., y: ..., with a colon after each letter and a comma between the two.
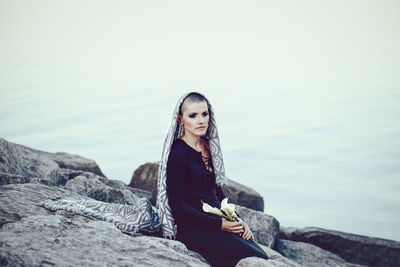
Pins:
x: 31, y: 235
x: 56, y: 240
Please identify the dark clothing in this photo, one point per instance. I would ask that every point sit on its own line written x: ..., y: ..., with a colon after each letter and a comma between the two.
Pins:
x: 189, y: 183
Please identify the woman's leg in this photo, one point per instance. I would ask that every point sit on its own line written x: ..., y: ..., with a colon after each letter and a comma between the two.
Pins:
x: 218, y: 247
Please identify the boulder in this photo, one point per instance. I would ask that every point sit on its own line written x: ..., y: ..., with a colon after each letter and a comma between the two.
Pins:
x: 353, y: 248
x: 21, y: 200
x: 275, y: 259
x: 8, y: 178
x: 20, y: 164
x: 93, y: 188
x: 43, y: 240
x: 265, y: 227
x: 33, y: 236
x: 98, y: 187
x: 259, y: 262
x: 145, y: 177
x: 242, y: 195
x: 309, y: 255
x: 121, y: 185
x: 86, y: 184
x: 74, y: 162
x: 285, y: 232
x: 29, y: 162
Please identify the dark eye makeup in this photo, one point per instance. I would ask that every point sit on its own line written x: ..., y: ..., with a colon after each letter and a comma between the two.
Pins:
x: 193, y: 115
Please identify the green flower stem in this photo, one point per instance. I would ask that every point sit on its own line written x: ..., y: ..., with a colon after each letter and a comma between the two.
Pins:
x: 225, y: 213
x: 260, y: 248
x: 228, y: 215
x: 237, y: 219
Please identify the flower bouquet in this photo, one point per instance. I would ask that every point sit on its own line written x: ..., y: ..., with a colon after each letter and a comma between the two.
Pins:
x: 227, y: 211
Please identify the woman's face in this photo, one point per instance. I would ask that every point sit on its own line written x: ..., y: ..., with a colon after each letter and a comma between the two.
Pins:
x: 195, y: 117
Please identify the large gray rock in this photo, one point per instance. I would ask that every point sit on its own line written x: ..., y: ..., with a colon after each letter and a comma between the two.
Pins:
x: 309, y: 255
x: 242, y: 195
x: 145, y: 177
x: 58, y: 177
x: 275, y: 259
x: 98, y: 187
x: 32, y: 236
x: 74, y: 162
x: 353, y: 248
x: 28, y: 162
x: 93, y: 188
x: 21, y: 200
x: 20, y: 164
x: 286, y: 232
x: 86, y: 184
x: 8, y: 178
x: 264, y: 227
x: 259, y: 262
x: 123, y: 186
x: 43, y: 240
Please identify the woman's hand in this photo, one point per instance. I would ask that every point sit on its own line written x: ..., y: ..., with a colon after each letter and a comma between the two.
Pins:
x: 247, y: 233
x: 233, y: 227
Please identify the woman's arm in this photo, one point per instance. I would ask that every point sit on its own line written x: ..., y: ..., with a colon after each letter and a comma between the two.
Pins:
x: 176, y: 197
x: 220, y: 193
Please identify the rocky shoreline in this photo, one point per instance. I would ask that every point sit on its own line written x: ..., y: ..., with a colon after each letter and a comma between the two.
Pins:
x: 31, y: 235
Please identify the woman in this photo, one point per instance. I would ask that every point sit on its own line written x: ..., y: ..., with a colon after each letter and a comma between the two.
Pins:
x: 192, y: 171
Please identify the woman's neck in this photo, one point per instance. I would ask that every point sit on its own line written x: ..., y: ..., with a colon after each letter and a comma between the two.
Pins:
x: 193, y: 141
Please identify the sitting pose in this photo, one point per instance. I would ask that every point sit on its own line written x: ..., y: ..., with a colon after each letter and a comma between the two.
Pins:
x: 192, y: 172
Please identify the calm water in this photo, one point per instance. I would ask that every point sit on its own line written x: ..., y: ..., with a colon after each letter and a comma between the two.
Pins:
x: 308, y: 113
x: 337, y: 169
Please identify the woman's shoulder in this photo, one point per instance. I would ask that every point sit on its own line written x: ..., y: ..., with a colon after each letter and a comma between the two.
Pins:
x: 178, y: 150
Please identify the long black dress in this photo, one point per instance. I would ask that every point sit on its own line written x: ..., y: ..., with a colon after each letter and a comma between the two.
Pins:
x: 188, y: 183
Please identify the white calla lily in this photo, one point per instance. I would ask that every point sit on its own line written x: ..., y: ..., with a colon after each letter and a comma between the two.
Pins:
x: 224, y: 203
x: 213, y: 210
x: 234, y: 215
x: 229, y: 209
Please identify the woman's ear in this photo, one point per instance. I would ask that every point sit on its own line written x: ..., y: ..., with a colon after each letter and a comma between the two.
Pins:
x: 180, y: 119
